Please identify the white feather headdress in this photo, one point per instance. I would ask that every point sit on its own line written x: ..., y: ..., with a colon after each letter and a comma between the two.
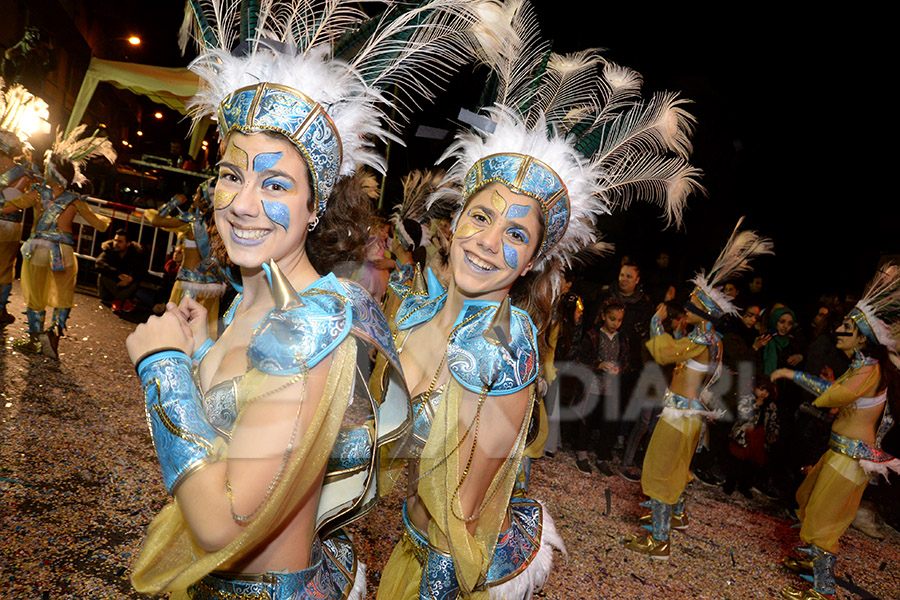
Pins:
x: 418, y: 186
x: 733, y: 261
x: 76, y: 150
x: 582, y: 117
x: 878, y: 312
x: 22, y: 115
x: 334, y: 59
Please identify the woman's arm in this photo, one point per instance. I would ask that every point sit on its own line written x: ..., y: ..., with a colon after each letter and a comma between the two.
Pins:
x: 858, y: 383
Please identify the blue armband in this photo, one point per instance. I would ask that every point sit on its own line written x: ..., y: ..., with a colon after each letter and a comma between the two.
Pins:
x: 811, y: 383
x: 656, y: 326
x: 182, y: 435
x: 200, y: 352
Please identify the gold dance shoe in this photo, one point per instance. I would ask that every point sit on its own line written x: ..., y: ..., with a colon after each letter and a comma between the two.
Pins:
x: 798, y: 565
x: 655, y: 549
x: 677, y: 521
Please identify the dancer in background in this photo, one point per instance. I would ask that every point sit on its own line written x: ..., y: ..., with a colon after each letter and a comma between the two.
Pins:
x: 50, y: 269
x: 529, y: 190
x: 199, y: 276
x: 867, y: 396
x: 687, y: 401
x: 21, y: 115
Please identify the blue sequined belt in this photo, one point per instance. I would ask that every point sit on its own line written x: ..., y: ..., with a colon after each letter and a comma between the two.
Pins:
x: 330, y: 577
x: 673, y: 400
x: 516, y: 547
x: 857, y: 449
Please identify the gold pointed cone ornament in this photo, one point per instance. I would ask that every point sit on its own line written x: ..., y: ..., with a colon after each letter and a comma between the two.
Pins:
x: 284, y: 294
x: 499, y: 332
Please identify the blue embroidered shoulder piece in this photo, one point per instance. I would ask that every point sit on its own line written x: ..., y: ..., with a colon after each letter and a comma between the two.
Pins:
x: 417, y: 308
x: 288, y: 341
x: 704, y: 334
x: 475, y: 362
x: 369, y: 323
x: 402, y: 275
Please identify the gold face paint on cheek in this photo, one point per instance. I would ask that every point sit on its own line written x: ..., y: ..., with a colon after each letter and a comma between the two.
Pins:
x: 238, y: 156
x: 466, y: 230
x: 223, y: 199
x: 498, y: 201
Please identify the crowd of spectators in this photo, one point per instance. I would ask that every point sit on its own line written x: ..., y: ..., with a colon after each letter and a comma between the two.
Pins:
x: 605, y: 395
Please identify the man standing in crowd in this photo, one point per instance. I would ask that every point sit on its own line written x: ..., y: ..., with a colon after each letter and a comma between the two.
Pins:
x: 120, y: 268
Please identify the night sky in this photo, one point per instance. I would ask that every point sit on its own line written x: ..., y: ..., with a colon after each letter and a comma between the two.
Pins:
x: 785, y: 102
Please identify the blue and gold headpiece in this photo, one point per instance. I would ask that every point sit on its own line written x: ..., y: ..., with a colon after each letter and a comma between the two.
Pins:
x: 278, y: 108
x: 528, y: 176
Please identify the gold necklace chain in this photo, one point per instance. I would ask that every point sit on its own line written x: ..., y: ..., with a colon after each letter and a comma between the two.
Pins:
x: 302, y: 375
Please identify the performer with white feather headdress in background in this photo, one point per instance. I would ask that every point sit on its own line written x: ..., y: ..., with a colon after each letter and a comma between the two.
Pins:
x: 21, y: 115
x: 687, y: 401
x: 257, y: 446
x: 567, y: 138
x: 50, y: 268
x: 867, y: 397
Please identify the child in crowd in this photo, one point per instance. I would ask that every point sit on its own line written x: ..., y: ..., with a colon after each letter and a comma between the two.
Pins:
x: 605, y: 351
x: 755, y: 430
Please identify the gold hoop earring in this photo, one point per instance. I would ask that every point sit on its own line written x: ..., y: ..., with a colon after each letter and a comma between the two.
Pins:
x: 313, y: 224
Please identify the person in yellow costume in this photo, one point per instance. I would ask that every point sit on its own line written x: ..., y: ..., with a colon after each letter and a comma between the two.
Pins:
x: 687, y: 404
x: 867, y: 397
x: 21, y: 115
x: 528, y: 187
x: 50, y: 269
x: 266, y: 439
x: 199, y: 276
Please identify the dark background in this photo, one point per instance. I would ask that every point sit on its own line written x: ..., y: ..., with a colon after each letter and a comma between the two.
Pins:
x: 794, y: 126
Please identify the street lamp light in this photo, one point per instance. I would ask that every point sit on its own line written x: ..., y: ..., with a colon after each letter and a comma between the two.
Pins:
x: 134, y: 40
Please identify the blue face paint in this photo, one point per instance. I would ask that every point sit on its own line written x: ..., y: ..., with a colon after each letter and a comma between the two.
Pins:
x: 517, y: 211
x: 265, y: 160
x: 511, y: 256
x: 283, y: 183
x: 278, y: 213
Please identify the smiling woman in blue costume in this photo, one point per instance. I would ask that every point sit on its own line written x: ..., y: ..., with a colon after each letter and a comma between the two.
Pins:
x: 255, y: 433
x: 867, y: 397
x: 528, y: 193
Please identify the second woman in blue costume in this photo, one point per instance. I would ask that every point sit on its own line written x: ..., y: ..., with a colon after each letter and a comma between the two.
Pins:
x: 530, y: 189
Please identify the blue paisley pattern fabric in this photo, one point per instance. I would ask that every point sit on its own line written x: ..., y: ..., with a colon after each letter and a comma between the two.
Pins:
x: 329, y: 577
x: 181, y: 434
x: 352, y: 450
x: 477, y: 363
x: 416, y: 308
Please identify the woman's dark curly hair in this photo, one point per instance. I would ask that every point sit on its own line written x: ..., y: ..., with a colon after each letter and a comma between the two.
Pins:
x: 338, y: 243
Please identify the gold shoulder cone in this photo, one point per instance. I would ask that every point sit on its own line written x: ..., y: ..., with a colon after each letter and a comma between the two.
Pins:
x: 500, y: 328
x: 419, y: 288
x: 283, y: 292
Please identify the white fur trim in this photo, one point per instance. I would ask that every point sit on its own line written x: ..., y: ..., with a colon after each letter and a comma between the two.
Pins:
x: 722, y: 300
x: 882, y: 468
x: 533, y: 578
x: 358, y: 591
x: 200, y: 290
x: 679, y: 413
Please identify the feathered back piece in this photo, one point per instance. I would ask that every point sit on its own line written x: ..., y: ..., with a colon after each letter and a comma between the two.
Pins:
x: 270, y: 65
x: 573, y: 133
x: 733, y: 261
x: 418, y: 186
x: 878, y: 313
x: 21, y: 116
x: 75, y: 152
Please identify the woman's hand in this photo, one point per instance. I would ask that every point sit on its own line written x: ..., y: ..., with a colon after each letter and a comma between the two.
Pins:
x: 195, y: 315
x: 781, y: 374
x: 761, y: 341
x: 794, y: 359
x: 170, y: 330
